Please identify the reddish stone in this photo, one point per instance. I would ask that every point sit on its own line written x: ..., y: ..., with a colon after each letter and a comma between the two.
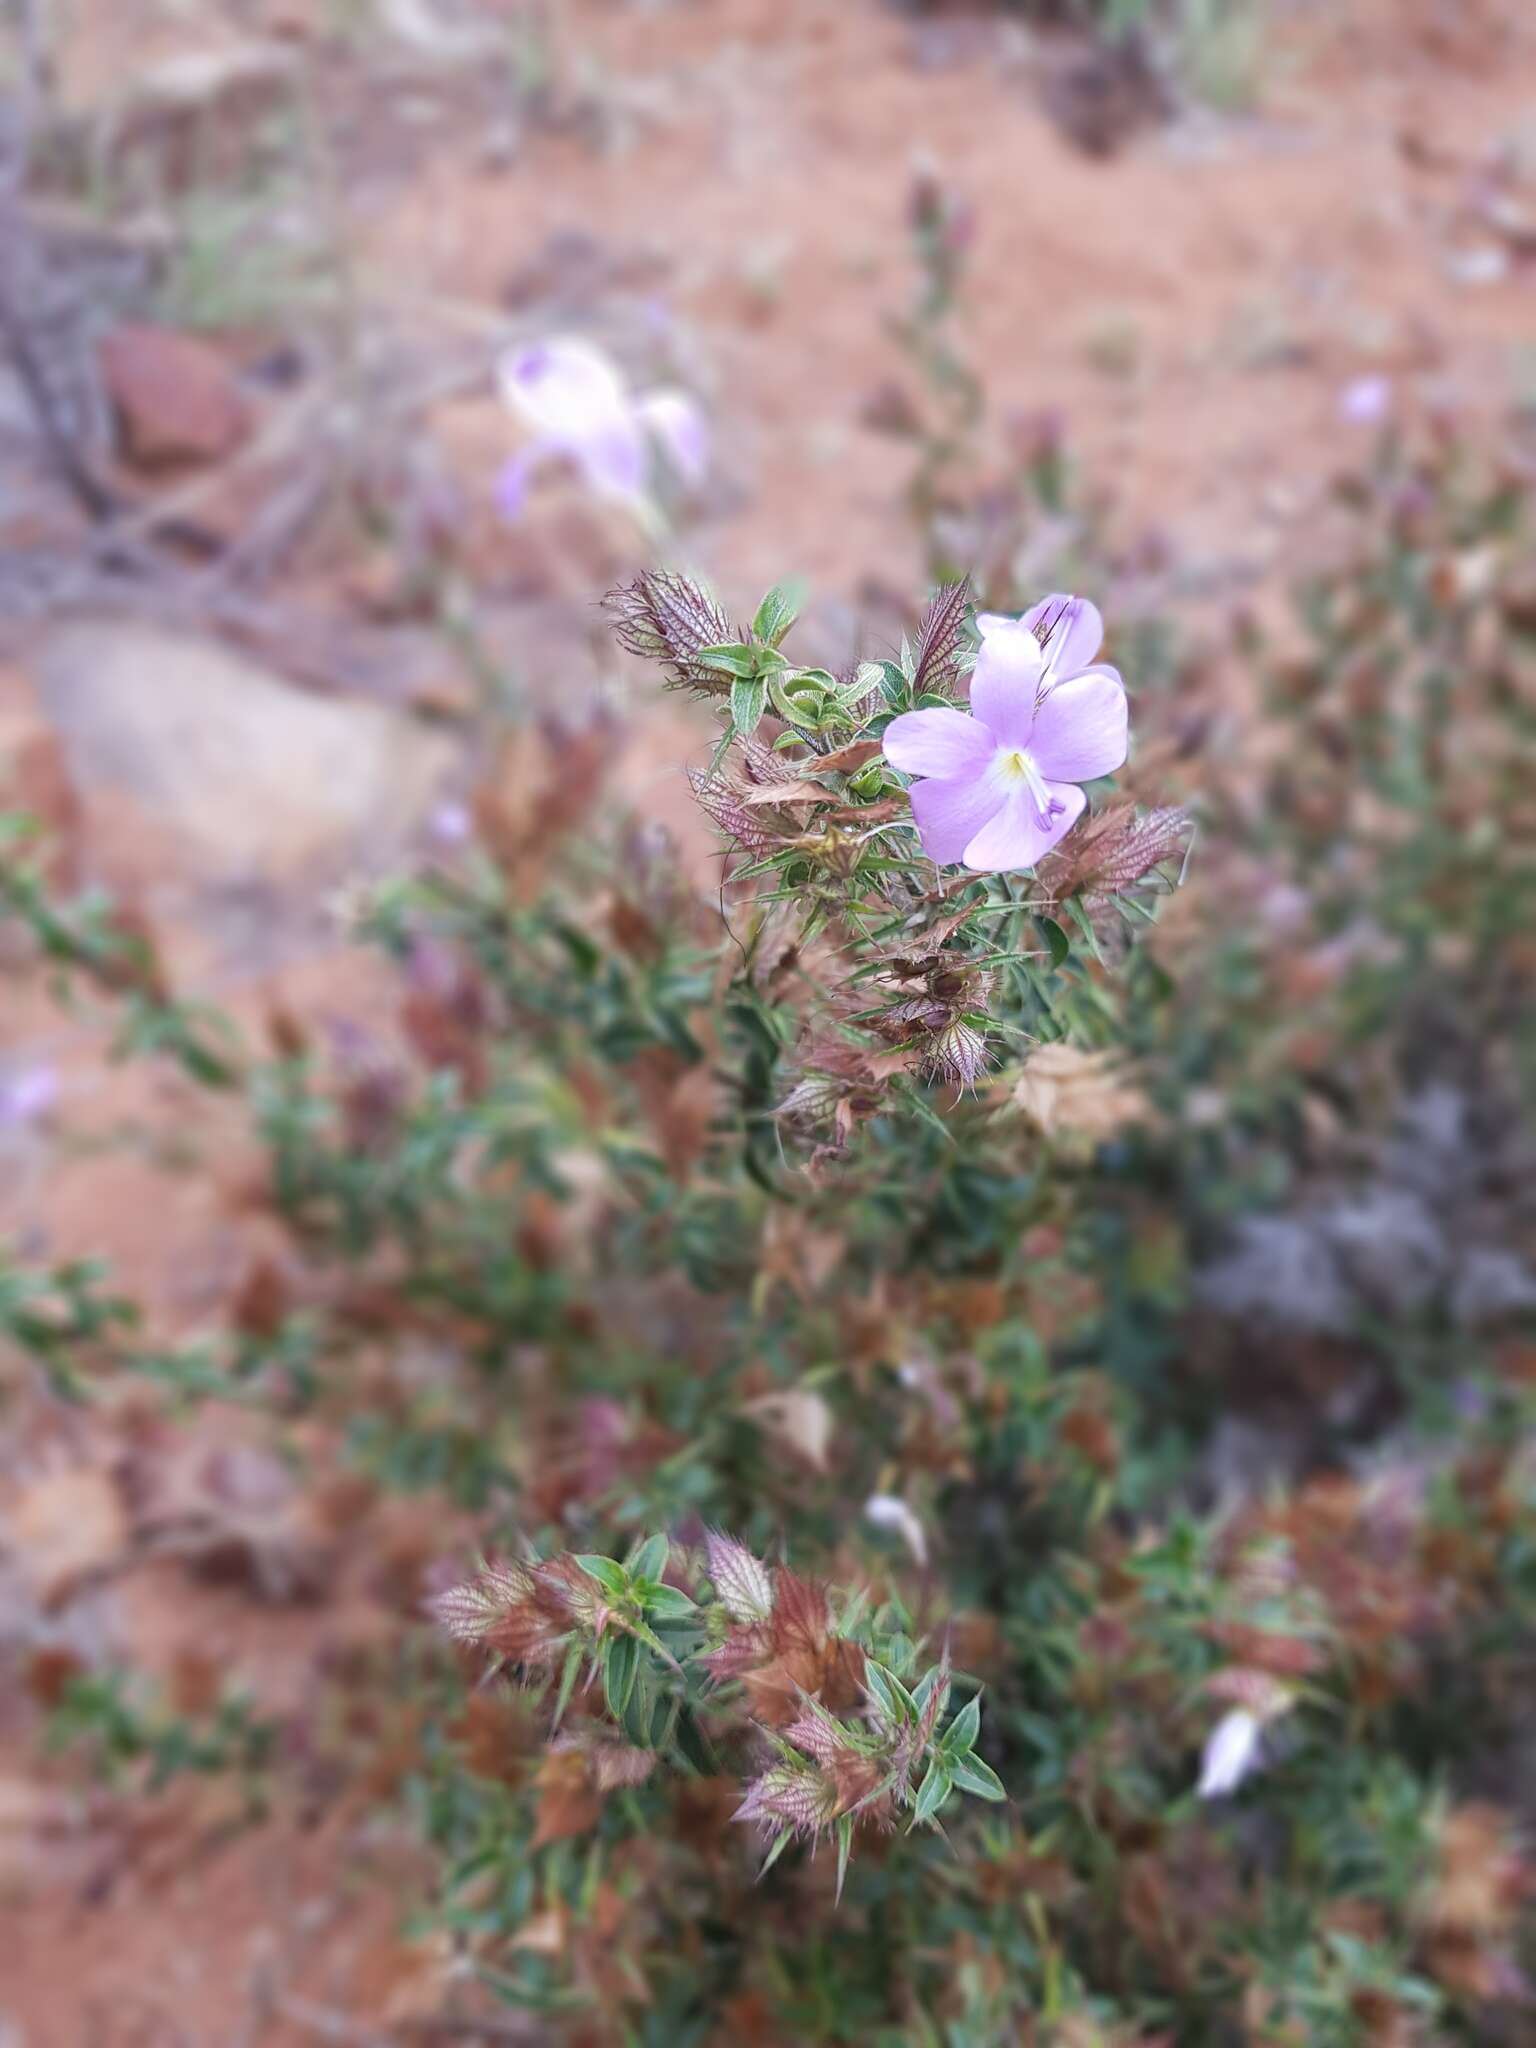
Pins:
x: 175, y: 398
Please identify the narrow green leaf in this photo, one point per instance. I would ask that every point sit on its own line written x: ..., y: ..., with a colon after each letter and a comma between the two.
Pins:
x: 641, y: 1716
x: 732, y: 659
x: 963, y: 1730
x: 650, y: 1560
x: 891, y: 1696
x: 972, y: 1775
x: 610, y: 1576
x: 1056, y: 939
x: 878, y: 1686
x: 844, y: 1832
x: 749, y: 697
x: 568, y: 1671
x: 932, y: 1793
x: 778, y: 611
x: 923, y: 1691
x: 1084, y: 924
x: 621, y: 1667
x: 667, y: 1603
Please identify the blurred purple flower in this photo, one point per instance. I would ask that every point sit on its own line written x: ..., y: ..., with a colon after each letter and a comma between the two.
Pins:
x: 1001, y: 785
x: 1366, y: 401
x: 26, y: 1097
x: 451, y: 824
x: 577, y: 407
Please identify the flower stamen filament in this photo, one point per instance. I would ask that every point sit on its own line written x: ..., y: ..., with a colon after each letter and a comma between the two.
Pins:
x: 1015, y: 765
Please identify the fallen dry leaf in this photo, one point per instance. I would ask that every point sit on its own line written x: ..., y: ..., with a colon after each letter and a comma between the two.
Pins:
x: 1065, y: 1091
x: 63, y: 1527
x: 799, y: 1420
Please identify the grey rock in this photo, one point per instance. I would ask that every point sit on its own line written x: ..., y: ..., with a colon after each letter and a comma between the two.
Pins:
x: 1281, y: 1271
x: 1390, y: 1246
x: 1492, y: 1286
x: 259, y: 781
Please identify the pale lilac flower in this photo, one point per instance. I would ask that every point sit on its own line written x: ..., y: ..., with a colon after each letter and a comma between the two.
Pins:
x: 1231, y: 1752
x: 1001, y: 785
x: 26, y: 1097
x: 576, y: 406
x: 1366, y: 401
x: 451, y: 824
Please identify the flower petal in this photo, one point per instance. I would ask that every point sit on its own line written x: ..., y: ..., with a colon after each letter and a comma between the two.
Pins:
x: 1014, y: 838
x: 1072, y: 630
x: 612, y: 459
x: 1007, y: 678
x: 948, y: 815
x: 1231, y: 1752
x: 938, y: 742
x: 516, y: 475
x: 1082, y: 728
x: 565, y: 387
x: 673, y: 419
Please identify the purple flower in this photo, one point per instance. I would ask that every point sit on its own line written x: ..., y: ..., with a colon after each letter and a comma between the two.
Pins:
x: 1365, y: 401
x: 26, y: 1097
x: 451, y: 824
x: 576, y: 406
x: 1001, y: 786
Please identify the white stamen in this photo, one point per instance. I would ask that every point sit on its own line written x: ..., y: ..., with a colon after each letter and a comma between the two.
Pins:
x: 1018, y: 766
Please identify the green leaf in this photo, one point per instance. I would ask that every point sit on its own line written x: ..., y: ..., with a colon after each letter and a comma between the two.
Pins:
x: 1084, y: 924
x: 972, y: 1775
x: 650, y: 1560
x: 932, y: 1793
x: 877, y: 1685
x: 610, y: 1576
x: 844, y: 1833
x: 749, y: 697
x: 734, y: 658
x: 778, y: 611
x: 891, y: 1696
x: 621, y: 1667
x: 666, y: 1603
x: 963, y: 1730
x: 922, y: 1692
x: 780, y: 1843
x: 790, y: 708
x: 646, y: 1715
x: 568, y: 1671
x: 1056, y: 939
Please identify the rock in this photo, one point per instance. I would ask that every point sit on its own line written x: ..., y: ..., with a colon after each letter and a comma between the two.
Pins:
x: 175, y: 399
x: 251, y: 780
x: 1492, y: 1286
x: 1282, y: 1275
x: 1390, y: 1246
x: 64, y: 1527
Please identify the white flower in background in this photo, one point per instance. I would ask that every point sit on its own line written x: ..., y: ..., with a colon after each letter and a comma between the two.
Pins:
x: 889, y: 1511
x: 576, y: 407
x: 1231, y: 1752
x: 1234, y: 1749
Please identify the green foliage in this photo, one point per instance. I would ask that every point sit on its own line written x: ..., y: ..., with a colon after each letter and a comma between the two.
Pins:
x: 865, y: 1187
